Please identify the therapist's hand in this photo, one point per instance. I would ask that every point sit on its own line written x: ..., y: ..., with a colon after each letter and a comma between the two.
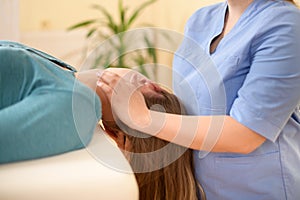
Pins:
x: 127, y: 102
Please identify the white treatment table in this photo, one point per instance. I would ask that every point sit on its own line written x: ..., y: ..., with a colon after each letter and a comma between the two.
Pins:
x: 98, y: 172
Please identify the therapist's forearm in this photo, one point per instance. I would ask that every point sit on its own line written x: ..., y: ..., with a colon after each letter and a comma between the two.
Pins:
x: 208, y: 133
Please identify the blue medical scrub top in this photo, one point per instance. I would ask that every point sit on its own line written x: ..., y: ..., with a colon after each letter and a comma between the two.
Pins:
x: 253, y: 76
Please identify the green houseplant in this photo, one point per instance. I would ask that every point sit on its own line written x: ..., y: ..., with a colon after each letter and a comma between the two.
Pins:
x: 105, y: 26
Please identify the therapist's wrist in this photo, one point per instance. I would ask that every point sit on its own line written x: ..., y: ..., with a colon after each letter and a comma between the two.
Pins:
x: 151, y: 123
x: 140, y: 119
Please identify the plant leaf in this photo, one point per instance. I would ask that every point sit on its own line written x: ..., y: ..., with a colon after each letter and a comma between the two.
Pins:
x: 91, y: 32
x: 138, y: 11
x: 151, y: 49
x: 82, y: 24
x: 122, y: 12
x: 110, y: 21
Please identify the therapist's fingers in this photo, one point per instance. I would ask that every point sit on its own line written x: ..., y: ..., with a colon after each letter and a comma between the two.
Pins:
x: 114, y: 84
x: 109, y: 78
x: 138, y: 79
x: 127, y: 101
x: 112, y: 77
x: 107, y: 81
x: 106, y: 89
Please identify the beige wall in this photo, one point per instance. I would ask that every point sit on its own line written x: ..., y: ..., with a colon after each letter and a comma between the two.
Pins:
x: 9, y: 19
x: 43, y: 23
x: 39, y: 15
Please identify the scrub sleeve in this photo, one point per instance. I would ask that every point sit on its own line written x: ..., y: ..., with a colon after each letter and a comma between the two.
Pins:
x: 254, y: 77
x: 44, y: 110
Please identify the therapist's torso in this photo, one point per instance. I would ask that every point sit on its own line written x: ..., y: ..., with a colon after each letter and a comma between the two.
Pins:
x: 217, y: 86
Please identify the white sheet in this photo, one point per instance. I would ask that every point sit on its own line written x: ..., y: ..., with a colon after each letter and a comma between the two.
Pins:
x: 98, y: 172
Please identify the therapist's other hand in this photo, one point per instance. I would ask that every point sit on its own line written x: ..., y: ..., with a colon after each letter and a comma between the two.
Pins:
x: 127, y: 102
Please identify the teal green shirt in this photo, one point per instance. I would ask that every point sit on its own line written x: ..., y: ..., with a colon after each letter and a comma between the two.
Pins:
x: 44, y: 110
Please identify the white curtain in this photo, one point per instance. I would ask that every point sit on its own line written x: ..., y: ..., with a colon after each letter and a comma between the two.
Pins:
x: 9, y: 20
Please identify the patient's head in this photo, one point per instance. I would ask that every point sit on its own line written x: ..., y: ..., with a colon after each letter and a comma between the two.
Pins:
x: 163, y: 170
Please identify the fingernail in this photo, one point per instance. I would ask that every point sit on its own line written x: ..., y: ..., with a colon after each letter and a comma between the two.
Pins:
x: 99, y: 83
x: 99, y: 73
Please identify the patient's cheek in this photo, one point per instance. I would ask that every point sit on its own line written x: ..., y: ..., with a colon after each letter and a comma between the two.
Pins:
x: 106, y: 107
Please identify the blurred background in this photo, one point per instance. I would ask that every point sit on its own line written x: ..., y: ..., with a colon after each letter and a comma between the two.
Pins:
x: 43, y: 24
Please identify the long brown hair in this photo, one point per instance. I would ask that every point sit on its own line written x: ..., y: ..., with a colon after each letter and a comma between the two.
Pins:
x: 161, y: 174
